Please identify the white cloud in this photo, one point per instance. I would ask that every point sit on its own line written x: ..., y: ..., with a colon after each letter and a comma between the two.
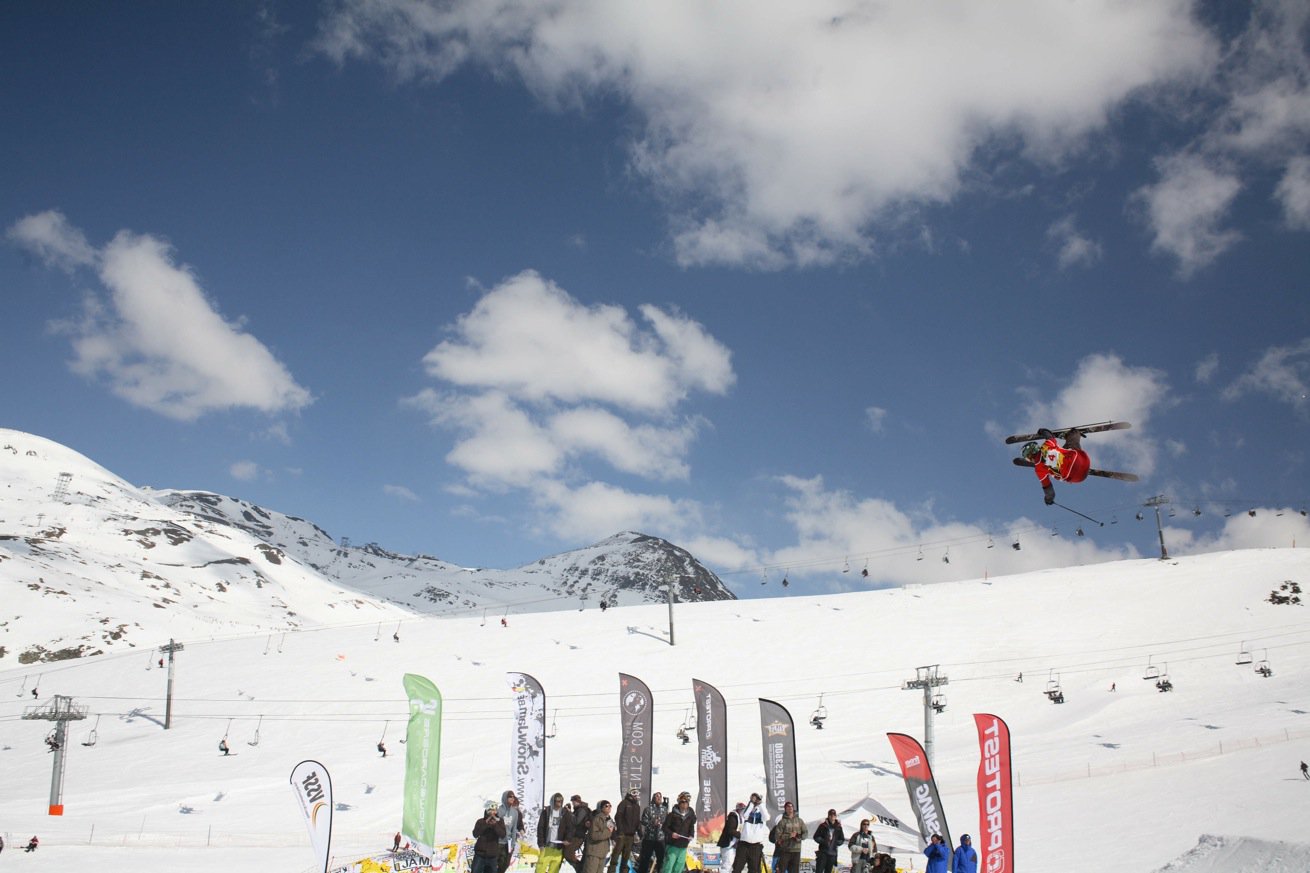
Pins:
x: 245, y: 471
x: 1293, y: 193
x: 1207, y: 367
x: 1184, y: 210
x: 1269, y: 528
x: 529, y: 339
x: 49, y: 236
x: 1283, y: 373
x: 1104, y: 388
x: 540, y: 389
x: 596, y: 510
x: 400, y: 492
x: 782, y: 132
x: 156, y: 340
x: 876, y: 418
x: 1074, y: 249
x: 838, y: 532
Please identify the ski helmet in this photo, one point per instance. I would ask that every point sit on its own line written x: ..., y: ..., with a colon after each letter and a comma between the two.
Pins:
x: 1030, y: 451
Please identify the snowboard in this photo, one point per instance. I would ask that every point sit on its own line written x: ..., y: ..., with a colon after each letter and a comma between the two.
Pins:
x: 1104, y: 474
x: 1060, y: 432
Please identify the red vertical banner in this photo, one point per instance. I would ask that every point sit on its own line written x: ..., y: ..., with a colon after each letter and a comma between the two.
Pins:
x: 995, y: 843
x: 919, y: 782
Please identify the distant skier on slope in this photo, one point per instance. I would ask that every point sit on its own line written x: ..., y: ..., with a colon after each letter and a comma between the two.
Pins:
x: 1050, y: 461
x: 1305, y: 770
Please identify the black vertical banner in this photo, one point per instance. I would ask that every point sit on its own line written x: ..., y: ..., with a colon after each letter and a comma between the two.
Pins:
x: 919, y: 782
x: 778, y: 737
x: 635, y: 713
x: 712, y: 739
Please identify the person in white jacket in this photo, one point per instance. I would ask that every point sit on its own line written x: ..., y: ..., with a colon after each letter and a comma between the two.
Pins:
x: 754, y: 830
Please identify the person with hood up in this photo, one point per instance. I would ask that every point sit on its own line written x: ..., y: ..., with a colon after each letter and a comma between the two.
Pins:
x: 488, y: 831
x: 754, y: 831
x: 512, y: 816
x: 679, y: 829
x: 830, y: 837
x: 728, y: 839
x: 652, y: 834
x: 863, y: 847
x: 964, y: 859
x: 627, y: 818
x: 790, y: 833
x: 554, y: 827
x: 938, y: 853
x: 600, y: 831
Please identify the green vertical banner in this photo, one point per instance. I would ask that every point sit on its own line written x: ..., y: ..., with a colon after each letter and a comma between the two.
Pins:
x: 422, y: 762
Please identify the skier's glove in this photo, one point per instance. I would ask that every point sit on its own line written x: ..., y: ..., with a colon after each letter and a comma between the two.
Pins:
x: 1048, y: 493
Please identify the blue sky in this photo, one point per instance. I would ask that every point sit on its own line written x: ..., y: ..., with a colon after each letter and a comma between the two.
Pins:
x: 771, y: 280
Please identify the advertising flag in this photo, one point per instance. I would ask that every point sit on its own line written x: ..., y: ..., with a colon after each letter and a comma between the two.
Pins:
x: 418, y: 821
x: 712, y: 739
x: 527, y: 748
x: 313, y: 788
x: 925, y: 800
x: 778, y: 737
x: 995, y: 842
x: 635, y: 712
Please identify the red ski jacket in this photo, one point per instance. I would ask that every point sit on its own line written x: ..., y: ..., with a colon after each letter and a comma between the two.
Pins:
x: 1068, y: 465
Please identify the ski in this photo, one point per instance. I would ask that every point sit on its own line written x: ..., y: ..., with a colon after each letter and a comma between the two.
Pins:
x: 1060, y: 432
x: 1104, y: 474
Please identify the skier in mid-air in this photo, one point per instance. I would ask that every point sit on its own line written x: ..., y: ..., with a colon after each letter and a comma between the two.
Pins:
x: 1051, y: 461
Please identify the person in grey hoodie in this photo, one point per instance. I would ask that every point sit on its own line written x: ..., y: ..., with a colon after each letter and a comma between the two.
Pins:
x: 512, y: 817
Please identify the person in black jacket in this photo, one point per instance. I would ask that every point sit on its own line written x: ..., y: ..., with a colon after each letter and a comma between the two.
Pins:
x: 581, y: 817
x: 679, y: 829
x: 488, y: 831
x: 728, y: 839
x: 627, y: 818
x: 829, y: 837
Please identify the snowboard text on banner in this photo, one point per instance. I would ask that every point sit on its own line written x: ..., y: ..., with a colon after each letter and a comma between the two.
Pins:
x: 527, y: 750
x: 712, y: 740
x: 635, y: 712
x: 995, y: 843
x: 925, y: 800
x: 418, y: 820
x: 778, y: 737
x: 313, y: 788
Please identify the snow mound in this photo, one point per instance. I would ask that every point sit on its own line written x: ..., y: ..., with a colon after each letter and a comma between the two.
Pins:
x: 1241, y: 855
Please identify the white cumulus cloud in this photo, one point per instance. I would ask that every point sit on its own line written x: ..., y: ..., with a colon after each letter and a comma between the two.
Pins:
x: 782, y: 132
x: 155, y: 339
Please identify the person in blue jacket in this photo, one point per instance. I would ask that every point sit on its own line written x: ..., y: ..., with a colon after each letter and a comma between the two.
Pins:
x: 938, y: 854
x: 964, y: 859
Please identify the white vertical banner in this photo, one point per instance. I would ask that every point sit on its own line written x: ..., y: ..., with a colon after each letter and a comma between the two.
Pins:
x: 313, y: 787
x: 527, y: 748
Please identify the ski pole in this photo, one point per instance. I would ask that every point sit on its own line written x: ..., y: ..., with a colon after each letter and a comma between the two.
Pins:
x: 1076, y: 512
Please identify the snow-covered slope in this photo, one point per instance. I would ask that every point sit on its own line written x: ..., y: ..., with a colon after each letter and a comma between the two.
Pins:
x: 1130, y: 779
x: 143, y: 566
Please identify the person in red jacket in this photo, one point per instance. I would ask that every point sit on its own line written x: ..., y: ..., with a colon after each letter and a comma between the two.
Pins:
x: 1051, y: 461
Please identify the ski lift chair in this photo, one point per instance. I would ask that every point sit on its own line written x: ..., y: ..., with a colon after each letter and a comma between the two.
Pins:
x: 819, y: 715
x: 1151, y: 672
x: 1262, y: 666
x: 939, y: 703
x: 1243, y: 655
x: 1052, y: 684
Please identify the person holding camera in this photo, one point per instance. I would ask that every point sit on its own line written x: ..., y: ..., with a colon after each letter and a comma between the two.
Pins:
x: 488, y: 831
x: 599, y: 834
x: 752, y: 833
x: 938, y: 854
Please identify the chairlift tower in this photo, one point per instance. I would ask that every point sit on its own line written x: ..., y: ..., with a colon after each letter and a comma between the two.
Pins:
x: 1155, y: 503
x: 61, y: 487
x: 61, y: 710
x: 168, y: 703
x: 927, y: 678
